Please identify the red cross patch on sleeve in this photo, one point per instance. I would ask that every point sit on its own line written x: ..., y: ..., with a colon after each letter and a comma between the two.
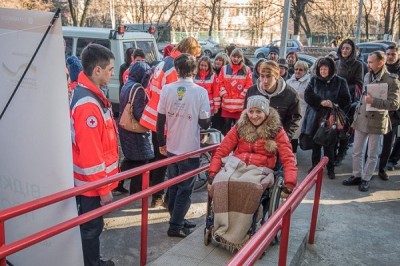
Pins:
x: 91, y: 121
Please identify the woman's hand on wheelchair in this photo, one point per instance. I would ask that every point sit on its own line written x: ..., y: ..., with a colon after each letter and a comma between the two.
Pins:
x: 285, y: 192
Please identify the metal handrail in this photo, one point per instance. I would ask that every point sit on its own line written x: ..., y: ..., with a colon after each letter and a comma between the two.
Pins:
x: 9, y: 213
x: 280, y: 220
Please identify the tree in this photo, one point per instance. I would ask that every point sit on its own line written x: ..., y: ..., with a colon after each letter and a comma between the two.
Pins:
x: 76, y: 20
x: 367, y: 13
x: 298, y: 14
x: 390, y: 9
x: 44, y: 5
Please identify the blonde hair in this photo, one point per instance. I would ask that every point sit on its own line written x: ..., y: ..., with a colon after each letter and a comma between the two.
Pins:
x: 270, y: 67
x: 302, y: 64
x: 189, y: 45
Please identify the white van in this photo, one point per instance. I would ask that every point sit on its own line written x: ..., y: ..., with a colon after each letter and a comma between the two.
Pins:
x: 76, y: 38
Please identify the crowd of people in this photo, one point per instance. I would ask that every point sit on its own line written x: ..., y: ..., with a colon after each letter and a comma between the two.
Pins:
x: 263, y: 111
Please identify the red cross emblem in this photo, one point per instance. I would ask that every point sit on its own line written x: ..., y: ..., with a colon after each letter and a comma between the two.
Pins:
x: 91, y: 121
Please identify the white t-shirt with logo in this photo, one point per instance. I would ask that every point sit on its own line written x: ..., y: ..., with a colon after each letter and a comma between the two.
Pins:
x: 183, y: 103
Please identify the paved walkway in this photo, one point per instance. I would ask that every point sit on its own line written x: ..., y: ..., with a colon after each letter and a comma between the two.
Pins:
x: 354, y: 228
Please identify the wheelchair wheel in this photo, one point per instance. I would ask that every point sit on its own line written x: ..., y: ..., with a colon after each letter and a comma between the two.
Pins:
x: 275, y: 202
x: 202, y: 178
x: 207, y: 236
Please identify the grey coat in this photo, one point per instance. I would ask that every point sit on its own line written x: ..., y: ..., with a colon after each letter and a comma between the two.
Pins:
x: 378, y: 122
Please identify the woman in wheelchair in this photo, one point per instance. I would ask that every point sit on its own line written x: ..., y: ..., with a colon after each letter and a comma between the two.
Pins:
x: 239, y: 180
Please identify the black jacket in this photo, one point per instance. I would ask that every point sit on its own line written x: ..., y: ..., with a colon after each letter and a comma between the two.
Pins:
x: 287, y: 103
x: 334, y: 89
x: 351, y: 70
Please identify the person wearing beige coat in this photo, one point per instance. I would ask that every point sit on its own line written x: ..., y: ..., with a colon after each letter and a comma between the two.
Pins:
x: 369, y: 126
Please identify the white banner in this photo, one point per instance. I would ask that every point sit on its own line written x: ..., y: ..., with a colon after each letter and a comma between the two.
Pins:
x: 35, y: 136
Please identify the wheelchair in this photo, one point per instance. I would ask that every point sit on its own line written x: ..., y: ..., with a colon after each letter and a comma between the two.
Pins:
x: 207, y: 137
x: 269, y: 202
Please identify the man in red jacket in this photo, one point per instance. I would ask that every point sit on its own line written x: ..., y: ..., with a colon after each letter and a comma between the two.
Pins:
x: 94, y: 143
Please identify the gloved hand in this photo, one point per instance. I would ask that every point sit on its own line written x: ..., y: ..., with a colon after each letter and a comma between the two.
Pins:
x: 285, y: 192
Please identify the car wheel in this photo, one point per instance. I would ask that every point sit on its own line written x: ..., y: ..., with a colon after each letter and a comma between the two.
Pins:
x: 260, y: 55
x: 208, y: 53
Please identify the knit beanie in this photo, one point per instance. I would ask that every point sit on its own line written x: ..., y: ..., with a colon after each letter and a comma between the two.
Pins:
x: 260, y: 102
x: 273, y: 49
x: 282, y: 63
x: 74, y: 67
x: 168, y: 49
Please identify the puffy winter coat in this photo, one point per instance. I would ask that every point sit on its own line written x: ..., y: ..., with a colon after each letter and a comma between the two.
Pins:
x: 333, y: 88
x: 94, y: 137
x: 234, y: 84
x: 135, y: 146
x: 258, y: 146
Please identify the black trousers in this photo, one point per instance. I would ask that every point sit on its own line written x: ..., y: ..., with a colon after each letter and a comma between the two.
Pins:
x: 395, y: 155
x: 136, y: 181
x: 386, y: 149
x: 91, y: 230
x: 157, y: 176
x: 328, y: 152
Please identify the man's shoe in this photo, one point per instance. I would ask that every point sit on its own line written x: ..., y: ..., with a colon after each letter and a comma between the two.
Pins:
x: 182, y: 233
x: 352, y: 181
x: 106, y: 263
x: 331, y: 175
x: 382, y: 174
x: 390, y: 166
x: 188, y: 224
x: 156, y: 201
x: 364, y: 186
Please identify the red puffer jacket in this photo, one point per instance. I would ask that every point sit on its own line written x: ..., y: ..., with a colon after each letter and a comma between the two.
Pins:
x: 258, y: 146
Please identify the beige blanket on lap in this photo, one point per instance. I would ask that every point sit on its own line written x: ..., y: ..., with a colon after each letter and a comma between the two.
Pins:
x: 236, y: 193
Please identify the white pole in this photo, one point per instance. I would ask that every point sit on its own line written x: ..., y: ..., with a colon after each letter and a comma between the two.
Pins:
x: 358, y: 31
x: 284, y: 33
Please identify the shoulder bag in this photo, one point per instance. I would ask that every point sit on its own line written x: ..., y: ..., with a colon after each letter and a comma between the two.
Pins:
x: 127, y: 121
x: 327, y: 132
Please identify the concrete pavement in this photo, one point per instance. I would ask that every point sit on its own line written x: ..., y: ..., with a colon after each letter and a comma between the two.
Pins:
x: 354, y: 228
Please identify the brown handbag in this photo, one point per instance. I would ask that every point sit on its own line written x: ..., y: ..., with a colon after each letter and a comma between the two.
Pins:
x: 127, y: 121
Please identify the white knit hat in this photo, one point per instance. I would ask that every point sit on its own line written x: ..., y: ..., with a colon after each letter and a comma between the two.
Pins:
x: 260, y: 102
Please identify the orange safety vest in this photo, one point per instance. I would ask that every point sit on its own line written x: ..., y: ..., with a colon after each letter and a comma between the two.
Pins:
x: 233, y: 88
x: 94, y: 137
x: 164, y: 73
x: 208, y: 82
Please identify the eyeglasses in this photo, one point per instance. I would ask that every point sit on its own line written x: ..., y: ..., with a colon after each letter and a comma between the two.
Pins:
x: 299, y: 69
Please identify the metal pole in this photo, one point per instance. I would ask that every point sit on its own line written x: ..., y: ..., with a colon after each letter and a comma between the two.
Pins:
x: 2, y: 242
x: 314, y: 215
x: 285, y: 25
x: 358, y: 31
x: 145, y: 220
x: 283, y: 248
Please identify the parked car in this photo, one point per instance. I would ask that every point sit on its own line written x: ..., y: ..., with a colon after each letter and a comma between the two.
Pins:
x: 368, y: 47
x: 385, y: 42
x: 291, y: 45
x: 210, y: 48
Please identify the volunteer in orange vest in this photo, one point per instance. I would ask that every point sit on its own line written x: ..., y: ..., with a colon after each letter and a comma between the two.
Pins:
x: 164, y: 73
x: 234, y: 81
x: 207, y: 79
x: 94, y: 143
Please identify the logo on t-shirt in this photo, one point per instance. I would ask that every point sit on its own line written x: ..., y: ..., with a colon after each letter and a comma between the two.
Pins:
x: 181, y: 92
